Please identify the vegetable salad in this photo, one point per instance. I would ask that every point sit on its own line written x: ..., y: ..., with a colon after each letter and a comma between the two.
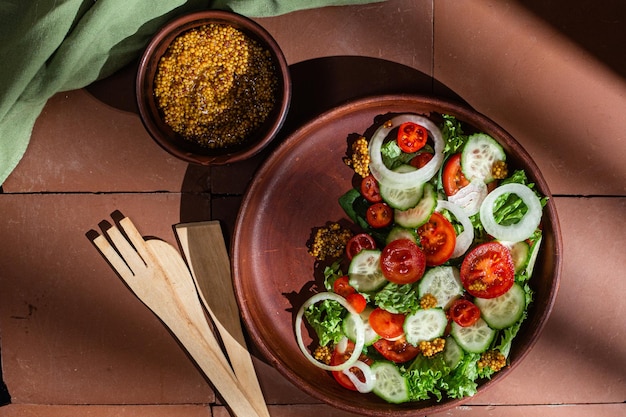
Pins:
x: 428, y: 290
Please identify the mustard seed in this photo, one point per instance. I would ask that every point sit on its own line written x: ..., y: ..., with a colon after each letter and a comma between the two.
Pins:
x: 215, y: 85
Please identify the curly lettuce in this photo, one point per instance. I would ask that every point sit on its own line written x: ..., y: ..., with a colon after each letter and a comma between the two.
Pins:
x: 326, y: 318
x: 398, y: 298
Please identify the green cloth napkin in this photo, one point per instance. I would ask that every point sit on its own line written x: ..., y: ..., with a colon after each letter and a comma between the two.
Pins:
x: 49, y: 46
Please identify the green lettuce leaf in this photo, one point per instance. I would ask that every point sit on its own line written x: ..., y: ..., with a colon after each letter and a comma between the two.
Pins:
x: 398, y: 298
x: 331, y: 273
x: 325, y: 318
x: 453, y: 135
x: 426, y: 377
x: 462, y: 381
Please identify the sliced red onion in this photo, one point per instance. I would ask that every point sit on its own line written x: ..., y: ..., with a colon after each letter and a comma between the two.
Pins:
x: 368, y: 375
x: 465, y: 238
x: 405, y: 179
x: 515, y: 232
x: 358, y: 326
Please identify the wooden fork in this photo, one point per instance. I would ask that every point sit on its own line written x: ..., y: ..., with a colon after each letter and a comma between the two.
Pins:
x: 158, y: 276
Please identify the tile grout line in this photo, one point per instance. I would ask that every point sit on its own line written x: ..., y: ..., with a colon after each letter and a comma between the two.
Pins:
x: 432, y: 49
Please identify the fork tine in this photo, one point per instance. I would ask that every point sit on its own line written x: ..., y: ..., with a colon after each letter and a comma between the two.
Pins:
x: 135, y: 238
x: 127, y: 252
x: 112, y: 256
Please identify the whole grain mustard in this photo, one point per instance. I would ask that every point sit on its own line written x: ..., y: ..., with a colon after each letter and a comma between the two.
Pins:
x: 215, y: 85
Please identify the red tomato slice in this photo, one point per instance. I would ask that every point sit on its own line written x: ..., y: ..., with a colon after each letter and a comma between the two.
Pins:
x: 402, y: 262
x: 385, y: 324
x: 357, y: 301
x: 342, y: 287
x: 370, y: 189
x: 379, y: 215
x: 397, y: 351
x: 488, y: 271
x: 338, y: 358
x: 464, y: 312
x: 421, y: 159
x: 359, y: 242
x: 411, y: 137
x: 452, y: 177
x: 438, y: 239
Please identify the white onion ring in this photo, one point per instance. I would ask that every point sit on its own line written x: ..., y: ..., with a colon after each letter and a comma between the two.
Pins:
x: 370, y: 378
x: 470, y: 197
x: 358, y: 326
x: 342, y: 345
x: 465, y: 238
x: 521, y: 230
x: 405, y: 179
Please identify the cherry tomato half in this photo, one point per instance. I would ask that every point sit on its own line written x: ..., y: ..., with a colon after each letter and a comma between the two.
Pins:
x: 342, y: 287
x: 411, y: 137
x: 453, y: 178
x: 488, y: 271
x: 357, y: 301
x: 370, y: 189
x: 464, y: 312
x: 397, y: 351
x: 359, y: 242
x: 438, y: 239
x: 385, y: 324
x: 402, y: 261
x: 338, y: 358
x: 379, y: 215
x: 421, y: 159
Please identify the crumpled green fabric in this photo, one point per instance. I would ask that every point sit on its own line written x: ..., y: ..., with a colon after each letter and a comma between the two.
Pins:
x: 50, y: 46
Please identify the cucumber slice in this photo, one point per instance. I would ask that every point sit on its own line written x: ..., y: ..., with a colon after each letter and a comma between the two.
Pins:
x: 398, y: 197
x: 444, y: 283
x: 370, y: 335
x: 418, y: 215
x: 364, y: 271
x: 425, y: 325
x: 475, y: 338
x: 478, y: 155
x: 520, y: 252
x: 399, y: 232
x: 390, y: 384
x: 452, y: 353
x: 505, y: 310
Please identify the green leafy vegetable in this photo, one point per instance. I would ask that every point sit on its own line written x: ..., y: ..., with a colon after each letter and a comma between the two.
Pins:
x: 461, y: 382
x: 325, y: 318
x: 509, y: 208
x: 398, y: 298
x: 425, y: 377
x: 453, y: 135
x: 346, y: 202
x: 331, y: 273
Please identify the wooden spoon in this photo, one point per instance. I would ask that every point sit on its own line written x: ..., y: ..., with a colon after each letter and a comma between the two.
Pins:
x: 205, y: 250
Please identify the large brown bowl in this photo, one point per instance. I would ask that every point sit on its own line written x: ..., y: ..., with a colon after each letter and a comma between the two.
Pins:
x: 295, y: 191
x: 173, y: 142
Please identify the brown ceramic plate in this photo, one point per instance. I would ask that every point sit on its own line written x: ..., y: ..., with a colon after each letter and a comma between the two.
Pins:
x: 295, y: 191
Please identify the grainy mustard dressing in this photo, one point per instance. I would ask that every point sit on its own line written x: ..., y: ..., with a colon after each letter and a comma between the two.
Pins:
x: 215, y: 85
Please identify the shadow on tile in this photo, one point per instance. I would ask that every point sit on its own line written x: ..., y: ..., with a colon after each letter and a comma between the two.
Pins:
x: 319, y: 85
x: 600, y: 30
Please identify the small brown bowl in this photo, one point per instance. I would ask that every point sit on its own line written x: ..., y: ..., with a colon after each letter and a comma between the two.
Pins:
x: 296, y: 190
x: 189, y: 150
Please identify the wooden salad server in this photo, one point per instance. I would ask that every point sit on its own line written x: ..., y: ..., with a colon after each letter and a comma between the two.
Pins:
x: 206, y: 254
x: 156, y: 273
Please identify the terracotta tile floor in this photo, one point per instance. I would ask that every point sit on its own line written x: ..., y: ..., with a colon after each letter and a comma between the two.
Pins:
x: 75, y: 341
